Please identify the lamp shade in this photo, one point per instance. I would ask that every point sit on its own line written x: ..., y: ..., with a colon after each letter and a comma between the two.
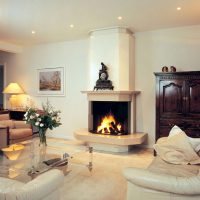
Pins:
x: 13, y: 88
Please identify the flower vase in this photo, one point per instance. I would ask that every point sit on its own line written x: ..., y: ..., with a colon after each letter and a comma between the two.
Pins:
x: 42, y: 152
x: 42, y: 145
x: 42, y: 135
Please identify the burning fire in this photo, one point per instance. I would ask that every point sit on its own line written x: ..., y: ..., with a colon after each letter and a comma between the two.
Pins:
x: 108, y: 125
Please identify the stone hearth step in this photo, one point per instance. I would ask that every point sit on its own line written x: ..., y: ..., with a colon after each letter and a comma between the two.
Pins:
x: 110, y: 142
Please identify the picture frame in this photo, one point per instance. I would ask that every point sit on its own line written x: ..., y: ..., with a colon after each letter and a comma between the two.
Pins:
x: 51, y: 81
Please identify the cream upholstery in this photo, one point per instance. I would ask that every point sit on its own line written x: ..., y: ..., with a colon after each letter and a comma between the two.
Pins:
x: 153, y: 183
x: 163, y: 180
x: 17, y: 131
x: 44, y: 187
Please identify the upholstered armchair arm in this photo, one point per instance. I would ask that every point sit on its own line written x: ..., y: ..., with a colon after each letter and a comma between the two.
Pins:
x: 42, y: 186
x: 3, y: 136
x: 21, y: 124
x: 162, y: 182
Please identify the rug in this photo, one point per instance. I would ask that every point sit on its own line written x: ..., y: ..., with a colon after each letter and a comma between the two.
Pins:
x: 106, y: 181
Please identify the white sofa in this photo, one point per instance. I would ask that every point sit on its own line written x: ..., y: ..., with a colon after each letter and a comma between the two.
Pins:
x: 144, y: 184
x: 44, y: 187
x: 172, y: 175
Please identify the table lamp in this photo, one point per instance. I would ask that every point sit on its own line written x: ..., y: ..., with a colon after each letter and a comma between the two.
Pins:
x: 13, y: 89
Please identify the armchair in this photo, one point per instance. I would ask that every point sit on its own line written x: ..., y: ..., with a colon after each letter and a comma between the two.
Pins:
x: 173, y: 174
x: 44, y: 187
x: 12, y: 131
x: 147, y: 184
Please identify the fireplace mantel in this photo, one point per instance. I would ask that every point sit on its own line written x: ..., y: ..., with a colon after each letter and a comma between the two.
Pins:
x: 110, y: 95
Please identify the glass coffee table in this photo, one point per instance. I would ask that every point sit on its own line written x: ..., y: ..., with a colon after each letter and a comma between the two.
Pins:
x: 26, y: 160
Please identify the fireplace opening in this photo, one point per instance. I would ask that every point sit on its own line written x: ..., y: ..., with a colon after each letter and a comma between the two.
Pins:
x: 110, y: 118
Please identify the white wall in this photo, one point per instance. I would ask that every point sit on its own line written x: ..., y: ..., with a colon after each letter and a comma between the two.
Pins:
x: 114, y: 47
x: 73, y: 56
x: 179, y: 47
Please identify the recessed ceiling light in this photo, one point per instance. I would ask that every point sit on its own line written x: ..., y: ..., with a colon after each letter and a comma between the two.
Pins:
x: 178, y: 8
x: 71, y: 25
x: 119, y: 17
x: 33, y: 32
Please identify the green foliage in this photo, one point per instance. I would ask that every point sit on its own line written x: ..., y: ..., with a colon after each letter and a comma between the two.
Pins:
x: 43, y: 119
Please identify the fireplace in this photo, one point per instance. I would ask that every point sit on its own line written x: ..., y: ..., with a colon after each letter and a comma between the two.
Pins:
x: 110, y: 117
x: 114, y: 47
x: 119, y: 107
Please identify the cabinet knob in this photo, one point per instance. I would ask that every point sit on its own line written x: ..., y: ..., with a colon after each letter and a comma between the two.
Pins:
x: 185, y: 98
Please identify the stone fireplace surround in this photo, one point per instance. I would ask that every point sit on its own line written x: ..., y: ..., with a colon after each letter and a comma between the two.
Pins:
x: 109, y: 142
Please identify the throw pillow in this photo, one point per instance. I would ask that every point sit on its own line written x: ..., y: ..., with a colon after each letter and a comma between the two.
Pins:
x: 195, y: 142
x: 176, y: 149
x: 175, y: 130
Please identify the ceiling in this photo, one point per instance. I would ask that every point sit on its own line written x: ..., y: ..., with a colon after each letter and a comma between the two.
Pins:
x: 51, y: 19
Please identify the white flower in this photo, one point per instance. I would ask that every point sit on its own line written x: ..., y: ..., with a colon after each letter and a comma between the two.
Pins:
x: 39, y: 119
x: 25, y: 115
x: 31, y: 117
x: 58, y: 119
x: 41, y: 125
x: 37, y: 115
x: 37, y: 123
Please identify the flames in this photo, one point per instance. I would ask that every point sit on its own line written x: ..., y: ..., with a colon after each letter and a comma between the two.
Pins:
x: 108, y: 125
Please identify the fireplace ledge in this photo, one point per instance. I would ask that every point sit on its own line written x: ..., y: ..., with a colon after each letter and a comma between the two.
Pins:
x: 110, y: 95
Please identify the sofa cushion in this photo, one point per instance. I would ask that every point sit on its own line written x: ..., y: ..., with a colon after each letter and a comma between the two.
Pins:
x: 177, y: 150
x: 20, y: 133
x: 21, y: 124
x: 160, y: 166
x: 4, y: 117
x: 8, y: 123
x: 195, y: 142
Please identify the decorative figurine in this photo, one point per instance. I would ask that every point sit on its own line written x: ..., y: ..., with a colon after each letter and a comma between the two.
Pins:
x: 103, y: 83
x: 165, y: 69
x: 172, y: 69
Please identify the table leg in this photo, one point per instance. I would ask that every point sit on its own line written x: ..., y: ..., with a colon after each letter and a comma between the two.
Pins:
x: 90, y: 165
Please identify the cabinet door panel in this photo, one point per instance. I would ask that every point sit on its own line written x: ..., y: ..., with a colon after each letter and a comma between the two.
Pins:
x: 193, y: 98
x: 171, y: 98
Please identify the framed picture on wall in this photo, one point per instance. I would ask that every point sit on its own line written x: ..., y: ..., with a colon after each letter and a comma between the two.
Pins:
x: 51, y: 81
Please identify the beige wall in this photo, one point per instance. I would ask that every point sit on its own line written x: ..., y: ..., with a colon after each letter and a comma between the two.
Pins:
x: 179, y: 47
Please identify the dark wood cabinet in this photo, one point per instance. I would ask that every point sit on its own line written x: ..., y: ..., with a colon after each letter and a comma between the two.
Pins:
x: 178, y: 102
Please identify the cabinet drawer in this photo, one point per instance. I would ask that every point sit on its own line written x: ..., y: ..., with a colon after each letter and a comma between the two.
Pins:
x: 191, y: 132
x: 182, y: 123
x: 171, y: 122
